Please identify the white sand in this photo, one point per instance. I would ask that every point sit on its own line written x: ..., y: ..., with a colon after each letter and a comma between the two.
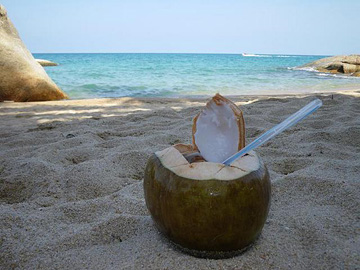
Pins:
x: 71, y: 176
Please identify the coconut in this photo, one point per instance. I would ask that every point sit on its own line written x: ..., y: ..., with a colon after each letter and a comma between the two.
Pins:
x: 203, y: 206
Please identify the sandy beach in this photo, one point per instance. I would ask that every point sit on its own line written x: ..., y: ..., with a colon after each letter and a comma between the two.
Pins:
x: 71, y: 183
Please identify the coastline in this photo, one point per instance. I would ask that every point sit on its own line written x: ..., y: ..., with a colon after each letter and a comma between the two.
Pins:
x: 179, y: 75
x: 71, y: 176
x: 345, y: 91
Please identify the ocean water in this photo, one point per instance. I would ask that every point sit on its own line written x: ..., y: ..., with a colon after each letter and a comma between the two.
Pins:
x: 172, y: 75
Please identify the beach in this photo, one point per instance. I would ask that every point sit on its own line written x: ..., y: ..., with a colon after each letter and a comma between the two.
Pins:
x: 71, y: 175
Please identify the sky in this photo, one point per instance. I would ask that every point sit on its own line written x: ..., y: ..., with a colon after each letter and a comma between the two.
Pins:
x: 312, y: 27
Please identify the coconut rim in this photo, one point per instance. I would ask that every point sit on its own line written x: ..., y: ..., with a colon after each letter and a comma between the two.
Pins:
x: 172, y: 159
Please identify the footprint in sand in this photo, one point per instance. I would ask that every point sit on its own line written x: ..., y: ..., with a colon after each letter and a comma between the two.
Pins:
x: 288, y: 166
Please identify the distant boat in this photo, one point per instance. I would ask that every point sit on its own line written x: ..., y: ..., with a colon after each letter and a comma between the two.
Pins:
x: 248, y: 54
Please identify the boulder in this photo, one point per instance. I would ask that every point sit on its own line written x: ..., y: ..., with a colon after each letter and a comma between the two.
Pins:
x: 46, y: 63
x: 352, y: 59
x: 350, y: 68
x: 21, y: 77
x: 347, y: 64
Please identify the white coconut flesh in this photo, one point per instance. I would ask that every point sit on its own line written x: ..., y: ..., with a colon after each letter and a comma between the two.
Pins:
x: 174, y: 161
x: 217, y: 132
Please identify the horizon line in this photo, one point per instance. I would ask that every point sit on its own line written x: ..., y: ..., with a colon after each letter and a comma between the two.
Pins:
x: 184, y: 53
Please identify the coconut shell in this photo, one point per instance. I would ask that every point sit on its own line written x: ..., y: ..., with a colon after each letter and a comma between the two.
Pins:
x: 207, y: 217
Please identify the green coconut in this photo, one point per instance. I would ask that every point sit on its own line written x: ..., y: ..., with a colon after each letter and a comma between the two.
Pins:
x: 204, y: 207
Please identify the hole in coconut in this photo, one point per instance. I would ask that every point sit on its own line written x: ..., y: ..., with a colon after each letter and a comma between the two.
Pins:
x: 194, y: 157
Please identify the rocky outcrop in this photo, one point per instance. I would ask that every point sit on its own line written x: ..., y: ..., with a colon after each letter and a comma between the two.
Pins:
x: 21, y: 77
x: 46, y: 63
x: 346, y: 64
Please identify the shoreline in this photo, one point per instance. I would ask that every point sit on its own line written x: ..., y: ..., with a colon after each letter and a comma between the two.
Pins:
x: 353, y: 91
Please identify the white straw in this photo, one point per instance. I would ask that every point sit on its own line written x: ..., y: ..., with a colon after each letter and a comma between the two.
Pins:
x: 288, y: 122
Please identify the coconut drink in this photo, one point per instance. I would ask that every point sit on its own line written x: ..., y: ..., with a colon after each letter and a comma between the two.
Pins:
x: 203, y: 206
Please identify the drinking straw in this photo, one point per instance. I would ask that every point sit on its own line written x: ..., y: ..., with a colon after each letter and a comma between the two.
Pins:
x: 287, y: 123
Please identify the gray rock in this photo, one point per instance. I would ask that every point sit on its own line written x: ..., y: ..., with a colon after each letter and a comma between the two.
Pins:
x: 346, y: 64
x: 21, y: 77
x: 46, y: 63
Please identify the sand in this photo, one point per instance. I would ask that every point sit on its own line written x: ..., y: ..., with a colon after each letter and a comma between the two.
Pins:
x: 71, y: 176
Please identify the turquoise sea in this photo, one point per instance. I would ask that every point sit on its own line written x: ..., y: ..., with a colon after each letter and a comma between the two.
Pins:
x: 87, y: 75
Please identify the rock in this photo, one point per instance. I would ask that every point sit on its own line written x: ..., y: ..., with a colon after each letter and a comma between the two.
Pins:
x: 338, y: 66
x: 347, y: 64
x: 352, y: 59
x: 21, y: 77
x: 350, y: 68
x: 46, y: 63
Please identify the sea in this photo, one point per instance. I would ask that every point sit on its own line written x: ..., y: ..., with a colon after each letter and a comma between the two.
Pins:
x: 105, y: 75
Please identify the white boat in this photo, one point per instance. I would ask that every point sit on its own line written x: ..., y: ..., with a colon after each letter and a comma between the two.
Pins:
x: 248, y: 54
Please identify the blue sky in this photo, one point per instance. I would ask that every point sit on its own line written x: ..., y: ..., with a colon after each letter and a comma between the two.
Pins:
x: 323, y: 27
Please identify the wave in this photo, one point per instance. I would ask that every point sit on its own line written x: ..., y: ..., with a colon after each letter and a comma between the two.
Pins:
x: 323, y: 74
x: 342, y: 76
x: 311, y: 69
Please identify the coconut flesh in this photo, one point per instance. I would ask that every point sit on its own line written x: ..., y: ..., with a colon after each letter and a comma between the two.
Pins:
x: 219, y: 130
x: 174, y: 159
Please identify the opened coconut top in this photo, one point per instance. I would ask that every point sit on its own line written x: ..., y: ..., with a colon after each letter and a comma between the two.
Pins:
x: 173, y: 159
x: 219, y: 130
